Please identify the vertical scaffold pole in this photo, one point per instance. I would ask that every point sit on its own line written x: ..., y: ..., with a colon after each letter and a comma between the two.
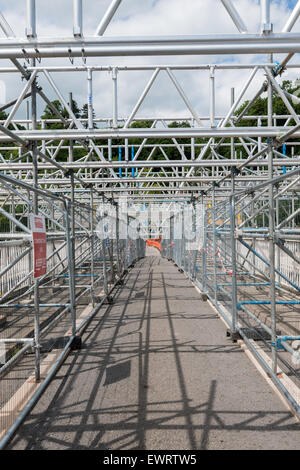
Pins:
x: 120, y: 160
x: 204, y: 250
x: 31, y: 19
x: 182, y: 251
x: 77, y: 14
x: 232, y: 96
x: 68, y: 212
x: 195, y: 240
x: 272, y: 232
x: 104, y: 258
x: 115, y: 97
x: 72, y: 210
x: 92, y: 245
x: 111, y: 259
x: 214, y: 243
x: 233, y: 252
x: 118, y: 240
x: 212, y: 96
x: 90, y: 98
x: 31, y: 5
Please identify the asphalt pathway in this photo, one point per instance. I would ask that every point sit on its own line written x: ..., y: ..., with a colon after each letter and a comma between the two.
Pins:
x: 157, y: 371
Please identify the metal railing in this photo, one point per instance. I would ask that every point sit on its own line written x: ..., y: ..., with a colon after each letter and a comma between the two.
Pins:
x: 42, y: 316
x: 232, y: 268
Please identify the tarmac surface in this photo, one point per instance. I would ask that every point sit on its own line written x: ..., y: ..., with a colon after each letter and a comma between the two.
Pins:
x: 156, y: 371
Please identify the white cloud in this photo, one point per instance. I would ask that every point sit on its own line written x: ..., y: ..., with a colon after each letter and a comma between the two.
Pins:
x: 141, y: 18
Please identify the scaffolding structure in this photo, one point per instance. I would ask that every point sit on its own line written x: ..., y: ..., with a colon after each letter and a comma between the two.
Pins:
x: 244, y: 210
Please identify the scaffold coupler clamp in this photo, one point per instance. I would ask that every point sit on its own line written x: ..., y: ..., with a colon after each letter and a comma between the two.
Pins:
x: 235, y: 171
x: 278, y: 69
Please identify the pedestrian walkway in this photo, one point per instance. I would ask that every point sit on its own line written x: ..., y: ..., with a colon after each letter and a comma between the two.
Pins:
x: 156, y: 371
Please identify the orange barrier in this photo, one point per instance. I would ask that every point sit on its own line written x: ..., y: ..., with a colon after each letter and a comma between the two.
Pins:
x: 156, y: 242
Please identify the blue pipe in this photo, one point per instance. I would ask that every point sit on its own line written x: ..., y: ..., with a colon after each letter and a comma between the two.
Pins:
x: 284, y: 153
x: 288, y: 338
x: 79, y: 275
x: 247, y: 284
x: 224, y: 274
x: 120, y: 159
x: 282, y: 339
x: 132, y: 158
x: 32, y: 305
x: 267, y: 302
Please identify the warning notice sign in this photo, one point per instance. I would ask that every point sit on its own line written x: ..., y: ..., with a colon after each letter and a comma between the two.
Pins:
x: 39, y: 240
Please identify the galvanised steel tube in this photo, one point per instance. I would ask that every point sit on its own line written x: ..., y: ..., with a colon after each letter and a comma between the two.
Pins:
x: 268, y: 302
x: 170, y: 42
x: 77, y: 18
x: 108, y: 68
x: 122, y: 133
x: 31, y: 272
x: 286, y: 188
x: 292, y: 19
x: 282, y: 96
x: 6, y: 27
x: 15, y: 221
x: 71, y: 266
x: 233, y: 252
x: 20, y: 99
x: 184, y: 97
x: 204, y: 254
x: 7, y: 166
x: 90, y: 98
x: 31, y: 19
x: 15, y: 261
x: 225, y: 45
x: 235, y: 16
x: 35, y: 205
x: 288, y: 219
x: 92, y: 245
x: 114, y: 76
x: 33, y: 305
x: 280, y: 244
x: 266, y: 26
x: 107, y: 17
x: 44, y: 331
x: 118, y: 240
x: 214, y: 229
x: 275, y: 180
x: 268, y: 264
x: 142, y: 97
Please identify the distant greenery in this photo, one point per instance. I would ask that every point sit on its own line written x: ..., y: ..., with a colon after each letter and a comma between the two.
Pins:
x: 259, y: 108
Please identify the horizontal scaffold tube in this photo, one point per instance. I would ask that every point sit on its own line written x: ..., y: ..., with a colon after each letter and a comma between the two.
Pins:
x: 5, y: 166
x: 71, y: 134
x: 151, y: 45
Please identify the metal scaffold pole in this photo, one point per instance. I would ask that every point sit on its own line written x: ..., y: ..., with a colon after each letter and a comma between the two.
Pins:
x: 35, y: 208
x: 214, y: 244
x: 233, y: 254
x: 92, y: 244
x: 218, y: 164
x: 272, y: 233
x: 71, y: 265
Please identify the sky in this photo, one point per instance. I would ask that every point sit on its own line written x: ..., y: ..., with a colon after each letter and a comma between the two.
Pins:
x: 143, y: 18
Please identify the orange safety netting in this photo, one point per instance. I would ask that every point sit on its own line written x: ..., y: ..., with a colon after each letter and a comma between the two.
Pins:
x: 156, y: 242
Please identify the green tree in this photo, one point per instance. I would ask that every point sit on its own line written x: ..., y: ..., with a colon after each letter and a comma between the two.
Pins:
x: 84, y: 114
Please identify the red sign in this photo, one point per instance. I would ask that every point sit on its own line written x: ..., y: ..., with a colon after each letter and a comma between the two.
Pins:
x: 39, y: 240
